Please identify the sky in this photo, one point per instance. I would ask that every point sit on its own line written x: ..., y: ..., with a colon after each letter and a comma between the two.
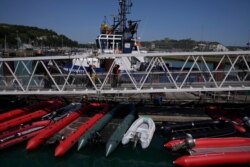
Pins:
x: 224, y: 21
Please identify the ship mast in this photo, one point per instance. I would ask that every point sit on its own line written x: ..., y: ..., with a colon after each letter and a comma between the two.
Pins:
x: 120, y: 36
x: 125, y: 8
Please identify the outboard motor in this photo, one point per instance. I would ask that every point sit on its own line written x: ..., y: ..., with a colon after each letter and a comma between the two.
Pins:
x: 136, y: 138
x: 187, y: 144
x: 246, y: 121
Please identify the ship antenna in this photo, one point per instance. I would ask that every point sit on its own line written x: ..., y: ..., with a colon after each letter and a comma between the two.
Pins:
x: 125, y: 8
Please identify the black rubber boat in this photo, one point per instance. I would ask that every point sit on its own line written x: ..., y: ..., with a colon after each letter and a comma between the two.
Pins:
x: 198, y: 129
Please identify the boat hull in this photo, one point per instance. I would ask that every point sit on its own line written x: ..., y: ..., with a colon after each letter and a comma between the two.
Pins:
x: 36, y: 141
x: 220, y: 114
x: 21, y: 134
x: 198, y: 129
x: 21, y: 111
x: 67, y: 143
x: 28, y: 117
x: 84, y: 139
x: 212, y: 142
x: 116, y: 137
x: 21, y: 128
x: 230, y: 158
x: 141, y: 130
x: 215, y: 151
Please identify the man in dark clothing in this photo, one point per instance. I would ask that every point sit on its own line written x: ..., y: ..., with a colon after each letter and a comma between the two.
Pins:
x: 115, y: 75
x: 90, y: 71
x: 47, y: 79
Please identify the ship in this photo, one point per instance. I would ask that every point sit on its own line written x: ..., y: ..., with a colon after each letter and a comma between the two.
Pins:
x: 119, y: 38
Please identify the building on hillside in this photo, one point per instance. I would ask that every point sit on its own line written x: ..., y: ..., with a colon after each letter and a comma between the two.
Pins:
x: 218, y: 48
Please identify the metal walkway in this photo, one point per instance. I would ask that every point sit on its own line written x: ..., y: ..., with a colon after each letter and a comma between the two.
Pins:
x: 164, y: 72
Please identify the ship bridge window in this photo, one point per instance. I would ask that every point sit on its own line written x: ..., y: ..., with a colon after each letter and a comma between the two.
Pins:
x: 128, y: 36
x: 109, y: 44
x: 101, y: 44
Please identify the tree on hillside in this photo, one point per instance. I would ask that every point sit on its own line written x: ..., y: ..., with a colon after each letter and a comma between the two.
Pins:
x: 32, y: 35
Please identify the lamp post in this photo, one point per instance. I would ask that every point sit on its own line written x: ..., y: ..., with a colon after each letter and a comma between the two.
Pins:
x: 248, y: 44
x: 17, y: 39
x: 5, y: 44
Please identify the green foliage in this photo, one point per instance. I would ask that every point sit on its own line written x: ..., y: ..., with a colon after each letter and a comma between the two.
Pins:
x: 172, y: 44
x: 33, y: 35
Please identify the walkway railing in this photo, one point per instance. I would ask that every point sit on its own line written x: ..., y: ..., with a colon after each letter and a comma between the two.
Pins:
x: 163, y: 72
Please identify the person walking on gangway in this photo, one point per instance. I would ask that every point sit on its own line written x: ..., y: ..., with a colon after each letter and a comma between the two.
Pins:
x: 90, y: 72
x: 115, y: 76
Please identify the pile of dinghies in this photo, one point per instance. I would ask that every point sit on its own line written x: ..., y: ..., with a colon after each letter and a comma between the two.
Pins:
x: 211, y: 142
x: 54, y: 121
x: 201, y: 143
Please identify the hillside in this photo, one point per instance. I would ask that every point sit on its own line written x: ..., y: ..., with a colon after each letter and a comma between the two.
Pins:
x: 188, y: 45
x: 168, y: 44
x: 16, y: 35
